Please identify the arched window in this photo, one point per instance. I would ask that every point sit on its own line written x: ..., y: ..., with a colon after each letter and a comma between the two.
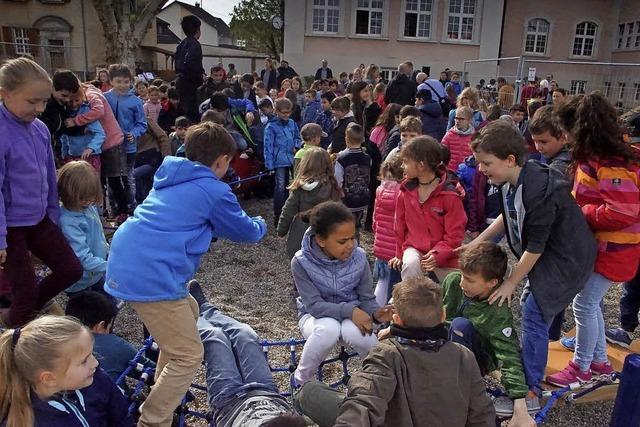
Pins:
x: 585, y: 39
x: 537, y: 36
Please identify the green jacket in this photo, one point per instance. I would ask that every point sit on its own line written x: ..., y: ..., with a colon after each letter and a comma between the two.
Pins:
x: 494, y: 325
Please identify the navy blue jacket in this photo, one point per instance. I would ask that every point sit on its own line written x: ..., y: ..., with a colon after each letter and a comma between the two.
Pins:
x: 188, y: 60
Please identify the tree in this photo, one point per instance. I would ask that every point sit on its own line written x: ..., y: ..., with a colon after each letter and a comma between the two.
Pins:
x: 125, y: 23
x: 251, y: 21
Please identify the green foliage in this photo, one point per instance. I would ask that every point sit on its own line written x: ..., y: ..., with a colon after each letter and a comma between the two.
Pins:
x: 251, y: 21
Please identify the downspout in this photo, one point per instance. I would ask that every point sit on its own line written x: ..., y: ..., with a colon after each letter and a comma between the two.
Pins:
x: 504, y: 12
x: 84, y: 33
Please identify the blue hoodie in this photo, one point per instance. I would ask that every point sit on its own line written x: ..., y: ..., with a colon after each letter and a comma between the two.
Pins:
x: 130, y: 116
x: 311, y: 111
x: 83, y: 230
x: 280, y: 140
x: 93, y: 138
x: 155, y: 252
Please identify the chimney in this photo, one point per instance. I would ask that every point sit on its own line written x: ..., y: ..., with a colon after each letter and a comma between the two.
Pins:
x: 197, y: 4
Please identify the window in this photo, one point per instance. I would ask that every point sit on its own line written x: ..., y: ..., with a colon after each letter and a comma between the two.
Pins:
x: 585, y: 40
x: 388, y: 73
x: 621, y: 88
x: 578, y: 86
x: 326, y: 16
x: 461, y: 19
x: 417, y: 18
x: 607, y: 89
x: 369, y: 17
x: 620, y: 35
x: 537, y: 35
x: 636, y: 90
x: 21, y: 41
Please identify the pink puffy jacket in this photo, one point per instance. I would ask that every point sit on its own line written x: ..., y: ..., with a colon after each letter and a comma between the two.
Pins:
x: 459, y: 146
x: 101, y: 111
x: 384, y: 245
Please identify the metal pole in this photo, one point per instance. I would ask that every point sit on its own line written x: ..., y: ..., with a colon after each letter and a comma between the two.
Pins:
x: 84, y: 32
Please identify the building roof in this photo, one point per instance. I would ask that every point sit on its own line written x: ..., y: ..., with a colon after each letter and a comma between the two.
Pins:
x: 217, y: 23
x: 166, y: 36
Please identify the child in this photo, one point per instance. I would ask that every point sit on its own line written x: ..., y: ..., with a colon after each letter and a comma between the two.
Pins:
x: 296, y: 85
x: 433, y: 123
x: 384, y: 244
x: 153, y: 106
x: 325, y: 118
x: 312, y: 108
x: 176, y: 139
x: 410, y: 127
x: 408, y: 380
x: 153, y: 146
x: 171, y: 110
x: 487, y: 329
x: 430, y: 218
x: 284, y: 87
x: 296, y: 112
x: 550, y: 140
x: 141, y: 88
x: 97, y: 311
x: 343, y: 116
x: 88, y: 144
x: 333, y: 279
x: 395, y: 140
x: 49, y: 377
x: 481, y: 198
x: 311, y: 135
x: 458, y: 138
x: 365, y: 111
x: 189, y: 69
x: 103, y: 76
x: 281, y: 140
x: 606, y: 187
x: 80, y: 195
x: 130, y: 116
x: 261, y: 93
x: 314, y: 183
x: 545, y: 230
x: 188, y: 207
x: 385, y: 123
x: 352, y: 170
x: 29, y: 211
x: 518, y: 113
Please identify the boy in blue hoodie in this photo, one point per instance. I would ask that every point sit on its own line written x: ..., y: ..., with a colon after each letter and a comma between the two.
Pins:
x: 281, y: 140
x: 129, y: 112
x: 313, y: 106
x: 88, y: 144
x: 157, y: 251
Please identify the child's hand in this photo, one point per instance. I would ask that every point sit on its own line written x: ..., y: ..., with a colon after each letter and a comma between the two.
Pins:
x: 130, y: 137
x: 249, y: 118
x: 3, y: 257
x: 384, y: 314
x: 395, y: 263
x: 86, y: 153
x: 504, y: 292
x: 69, y: 122
x: 384, y: 334
x: 362, y: 320
x: 428, y: 262
x: 521, y: 417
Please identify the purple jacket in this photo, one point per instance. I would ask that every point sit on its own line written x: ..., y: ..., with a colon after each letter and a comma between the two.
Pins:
x: 27, y: 173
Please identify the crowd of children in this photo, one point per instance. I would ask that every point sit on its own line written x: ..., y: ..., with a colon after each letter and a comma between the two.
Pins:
x: 344, y: 156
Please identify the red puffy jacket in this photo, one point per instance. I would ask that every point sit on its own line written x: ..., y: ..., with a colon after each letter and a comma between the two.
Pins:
x: 385, y: 242
x: 437, y: 225
x: 459, y: 147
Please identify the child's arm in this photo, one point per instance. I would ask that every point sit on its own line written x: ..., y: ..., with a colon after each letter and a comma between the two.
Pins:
x: 289, y: 211
x: 96, y: 111
x: 161, y: 136
x: 504, y: 340
x: 97, y: 139
x: 619, y: 190
x: 455, y: 222
x: 242, y: 104
x: 77, y: 239
x: 519, y: 272
x: 338, y: 171
x: 140, y: 126
x: 232, y: 223
x: 147, y: 110
x: 268, y: 147
x: 297, y: 140
x: 364, y: 290
x: 117, y: 407
x: 53, y: 203
x: 399, y: 225
x: 64, y: 145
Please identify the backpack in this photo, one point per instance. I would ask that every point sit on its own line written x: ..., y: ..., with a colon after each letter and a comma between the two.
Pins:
x: 445, y: 105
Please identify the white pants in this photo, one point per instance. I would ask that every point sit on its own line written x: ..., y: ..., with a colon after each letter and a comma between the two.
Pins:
x: 322, y: 335
x: 411, y: 258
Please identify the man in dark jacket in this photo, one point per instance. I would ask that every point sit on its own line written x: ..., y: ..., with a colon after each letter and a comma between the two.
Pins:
x: 285, y: 72
x: 189, y: 70
x: 401, y: 89
x: 433, y: 122
x: 324, y: 72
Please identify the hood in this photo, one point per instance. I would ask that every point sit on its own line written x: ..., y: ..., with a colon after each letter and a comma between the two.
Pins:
x: 457, y: 131
x: 431, y: 109
x: 446, y: 186
x: 177, y: 170
x: 564, y: 156
x: 313, y: 252
x: 309, y: 186
x: 541, y: 182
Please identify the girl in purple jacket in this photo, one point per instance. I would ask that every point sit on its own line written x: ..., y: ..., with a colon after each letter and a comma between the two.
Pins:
x: 29, y: 207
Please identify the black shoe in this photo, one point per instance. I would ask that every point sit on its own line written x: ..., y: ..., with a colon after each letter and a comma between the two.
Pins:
x: 196, y: 292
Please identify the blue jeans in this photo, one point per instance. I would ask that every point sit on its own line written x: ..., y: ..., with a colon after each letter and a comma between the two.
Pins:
x: 461, y: 331
x: 234, y: 358
x: 280, y: 192
x: 535, y: 343
x: 591, y: 345
x: 630, y: 304
x: 131, y: 181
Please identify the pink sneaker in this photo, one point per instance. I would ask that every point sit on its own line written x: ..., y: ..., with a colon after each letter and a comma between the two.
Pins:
x: 603, y: 368
x: 570, y: 374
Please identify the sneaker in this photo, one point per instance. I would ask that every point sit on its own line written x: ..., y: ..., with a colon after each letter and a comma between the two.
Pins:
x: 603, y: 368
x: 618, y: 336
x: 504, y: 406
x: 196, y: 292
x: 569, y: 343
x: 569, y: 375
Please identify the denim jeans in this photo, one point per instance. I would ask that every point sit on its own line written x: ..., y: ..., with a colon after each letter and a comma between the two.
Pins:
x: 461, y: 331
x: 234, y: 358
x: 591, y: 345
x: 131, y: 181
x: 630, y: 304
x: 280, y: 192
x: 535, y: 343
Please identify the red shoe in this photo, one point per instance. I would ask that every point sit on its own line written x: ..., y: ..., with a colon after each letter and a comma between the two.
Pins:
x: 603, y: 368
x: 569, y: 375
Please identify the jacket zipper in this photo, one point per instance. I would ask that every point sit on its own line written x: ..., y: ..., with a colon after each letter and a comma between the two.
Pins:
x: 35, y: 156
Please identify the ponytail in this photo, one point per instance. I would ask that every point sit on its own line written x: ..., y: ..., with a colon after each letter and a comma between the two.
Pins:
x: 15, y: 399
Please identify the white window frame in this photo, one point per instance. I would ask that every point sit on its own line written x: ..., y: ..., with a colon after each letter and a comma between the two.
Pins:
x: 431, y: 17
x: 607, y: 89
x: 388, y: 73
x: 636, y: 92
x: 476, y: 16
x: 325, y: 8
x: 536, y: 34
x: 21, y: 40
x: 584, y: 36
x: 578, y: 86
x: 628, y: 35
x: 622, y: 87
x: 355, y: 7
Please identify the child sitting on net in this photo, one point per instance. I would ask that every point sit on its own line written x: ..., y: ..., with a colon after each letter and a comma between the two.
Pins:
x: 487, y: 329
x: 334, y: 282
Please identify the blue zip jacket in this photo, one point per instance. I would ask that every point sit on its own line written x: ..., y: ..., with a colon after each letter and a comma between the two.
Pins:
x: 83, y: 230
x: 73, y: 146
x: 27, y: 174
x: 311, y: 111
x: 102, y: 404
x: 280, y: 140
x: 130, y: 116
x: 155, y: 252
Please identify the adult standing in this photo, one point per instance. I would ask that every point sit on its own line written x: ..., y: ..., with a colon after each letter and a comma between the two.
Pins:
x: 189, y: 69
x: 401, y: 89
x: 506, y: 94
x: 269, y: 75
x: 324, y: 72
x: 285, y: 71
x: 372, y: 74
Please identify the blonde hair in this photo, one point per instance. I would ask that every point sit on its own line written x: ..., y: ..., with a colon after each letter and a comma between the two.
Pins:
x: 391, y: 169
x: 464, y: 111
x: 40, y: 346
x: 316, y: 166
x: 15, y: 73
x: 78, y: 181
x: 469, y: 94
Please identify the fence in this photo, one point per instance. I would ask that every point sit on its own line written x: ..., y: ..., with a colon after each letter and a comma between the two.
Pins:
x: 620, y: 82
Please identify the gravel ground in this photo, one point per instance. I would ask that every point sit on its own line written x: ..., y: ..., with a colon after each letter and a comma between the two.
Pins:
x: 253, y: 284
